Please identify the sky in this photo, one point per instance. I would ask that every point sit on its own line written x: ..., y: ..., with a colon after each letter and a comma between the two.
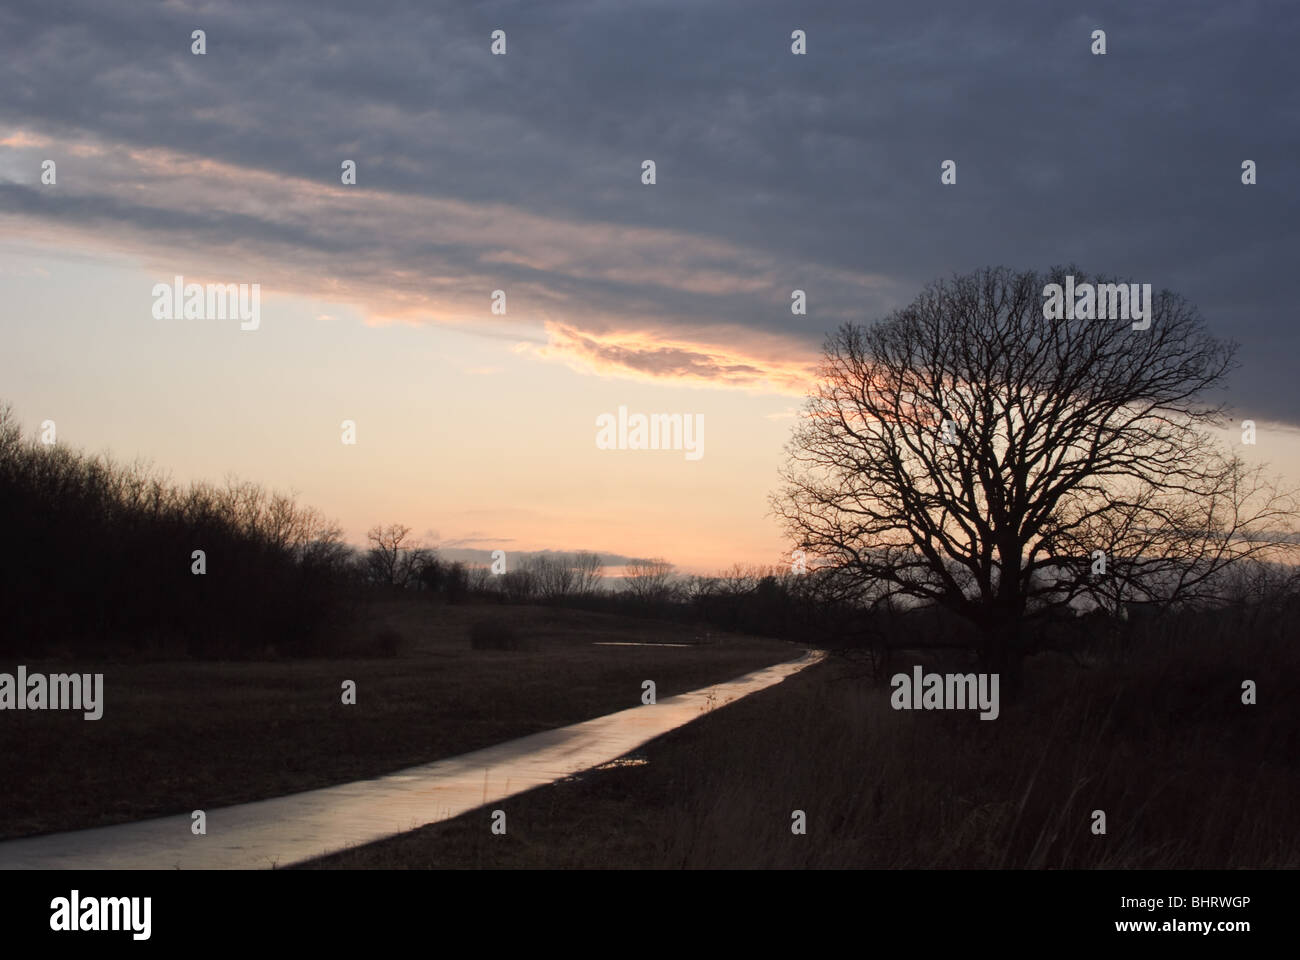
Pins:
x: 522, y: 173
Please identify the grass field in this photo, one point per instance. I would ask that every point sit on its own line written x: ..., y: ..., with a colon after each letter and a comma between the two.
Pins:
x: 1187, y: 775
x: 182, y: 735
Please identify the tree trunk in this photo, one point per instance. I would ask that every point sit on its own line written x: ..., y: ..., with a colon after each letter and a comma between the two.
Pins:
x: 1002, y: 653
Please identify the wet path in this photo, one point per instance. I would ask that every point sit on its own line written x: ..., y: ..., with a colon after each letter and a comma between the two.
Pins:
x: 300, y: 826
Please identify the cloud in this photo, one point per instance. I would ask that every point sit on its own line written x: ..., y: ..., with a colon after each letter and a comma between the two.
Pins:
x: 426, y: 260
x: 775, y: 172
x: 647, y: 356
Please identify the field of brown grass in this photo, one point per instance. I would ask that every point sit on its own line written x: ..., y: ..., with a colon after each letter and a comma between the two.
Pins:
x: 178, y: 735
x: 1156, y: 737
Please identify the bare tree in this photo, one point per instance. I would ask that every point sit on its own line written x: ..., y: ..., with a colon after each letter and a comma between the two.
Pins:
x: 560, y: 575
x: 588, y: 570
x: 326, y: 549
x: 519, y: 585
x: 697, y: 588
x: 970, y: 452
x: 649, y: 579
x: 552, y: 577
x: 481, y: 580
x: 393, y: 560
x: 739, y: 581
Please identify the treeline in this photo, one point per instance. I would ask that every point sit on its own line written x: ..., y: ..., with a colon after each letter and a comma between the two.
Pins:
x: 103, y: 556
x: 766, y: 600
x: 396, y: 563
x: 818, y: 608
x: 762, y: 600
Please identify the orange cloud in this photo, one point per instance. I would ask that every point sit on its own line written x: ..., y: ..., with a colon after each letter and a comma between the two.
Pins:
x: 662, y: 358
x: 609, y: 298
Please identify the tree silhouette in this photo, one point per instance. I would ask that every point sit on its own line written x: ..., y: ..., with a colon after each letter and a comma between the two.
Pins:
x: 969, y: 452
x: 649, y: 580
x: 393, y: 560
x: 559, y: 576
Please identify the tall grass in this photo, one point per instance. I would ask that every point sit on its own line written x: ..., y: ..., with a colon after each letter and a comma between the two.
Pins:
x: 1157, y: 737
x: 1152, y: 731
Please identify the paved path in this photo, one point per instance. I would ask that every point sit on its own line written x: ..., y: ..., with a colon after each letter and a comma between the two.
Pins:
x: 300, y: 826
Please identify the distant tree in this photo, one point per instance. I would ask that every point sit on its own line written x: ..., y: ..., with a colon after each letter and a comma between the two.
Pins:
x: 456, y: 582
x: 649, y: 580
x: 554, y: 577
x: 588, y: 570
x: 696, y: 588
x: 519, y: 585
x: 482, y: 580
x: 739, y: 581
x: 326, y: 550
x: 432, y: 575
x: 393, y: 559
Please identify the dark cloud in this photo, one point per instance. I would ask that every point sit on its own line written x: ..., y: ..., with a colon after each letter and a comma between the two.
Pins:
x: 1126, y: 164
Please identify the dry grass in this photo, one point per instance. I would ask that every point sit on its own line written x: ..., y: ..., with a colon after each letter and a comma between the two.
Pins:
x: 181, y: 735
x: 1187, y: 775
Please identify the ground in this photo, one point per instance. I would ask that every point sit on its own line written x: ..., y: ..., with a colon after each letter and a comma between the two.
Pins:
x: 183, y: 735
x: 1187, y: 775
